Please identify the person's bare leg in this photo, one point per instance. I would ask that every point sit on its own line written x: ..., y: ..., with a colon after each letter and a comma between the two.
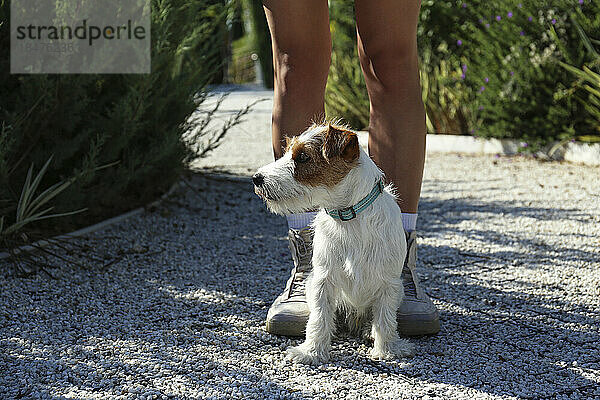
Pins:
x: 301, y: 58
x: 387, y: 47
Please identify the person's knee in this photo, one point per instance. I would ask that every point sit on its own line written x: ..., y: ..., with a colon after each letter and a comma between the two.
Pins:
x: 302, y: 73
x: 389, y: 68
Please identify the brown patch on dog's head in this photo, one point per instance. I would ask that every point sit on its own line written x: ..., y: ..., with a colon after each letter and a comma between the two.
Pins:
x: 326, y: 157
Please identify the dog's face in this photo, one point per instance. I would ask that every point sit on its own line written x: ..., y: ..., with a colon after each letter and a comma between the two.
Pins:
x: 313, y: 164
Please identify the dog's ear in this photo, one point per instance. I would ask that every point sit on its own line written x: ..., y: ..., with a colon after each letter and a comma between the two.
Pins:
x: 340, y: 143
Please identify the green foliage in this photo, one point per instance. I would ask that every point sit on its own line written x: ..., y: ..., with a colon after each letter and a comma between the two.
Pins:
x: 346, y: 94
x: 241, y: 67
x: 135, y: 123
x: 511, y: 50
x: 29, y: 207
x: 445, y: 95
x: 261, y: 39
x: 492, y: 77
x: 589, y: 82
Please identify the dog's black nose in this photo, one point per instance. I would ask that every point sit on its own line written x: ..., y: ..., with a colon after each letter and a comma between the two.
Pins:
x: 258, y: 179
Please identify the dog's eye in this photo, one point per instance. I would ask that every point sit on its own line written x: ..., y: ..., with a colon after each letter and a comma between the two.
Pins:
x: 302, y: 157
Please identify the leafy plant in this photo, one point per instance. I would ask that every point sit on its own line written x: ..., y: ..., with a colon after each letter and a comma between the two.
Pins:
x: 588, y: 80
x: 261, y: 39
x: 136, y: 123
x: 446, y: 98
x: 346, y: 94
x: 29, y: 207
x: 521, y: 90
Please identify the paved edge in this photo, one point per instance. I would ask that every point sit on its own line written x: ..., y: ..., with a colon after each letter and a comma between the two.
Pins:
x: 575, y: 152
x: 92, y: 228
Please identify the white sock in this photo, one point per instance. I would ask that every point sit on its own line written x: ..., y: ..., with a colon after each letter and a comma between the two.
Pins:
x: 409, y: 221
x: 300, y: 221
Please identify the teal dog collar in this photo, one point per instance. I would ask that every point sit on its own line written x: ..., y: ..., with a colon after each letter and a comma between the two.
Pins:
x: 346, y: 214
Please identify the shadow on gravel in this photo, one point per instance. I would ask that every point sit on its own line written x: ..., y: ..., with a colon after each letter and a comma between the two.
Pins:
x: 505, y: 342
x: 444, y: 212
x: 211, y: 288
x: 510, y: 339
x: 508, y: 342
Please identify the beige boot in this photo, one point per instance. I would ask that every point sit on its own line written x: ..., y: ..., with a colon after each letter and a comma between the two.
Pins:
x: 289, y: 312
x: 417, y: 315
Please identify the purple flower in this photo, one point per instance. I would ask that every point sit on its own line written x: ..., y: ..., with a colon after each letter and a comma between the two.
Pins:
x: 522, y: 33
x: 464, y: 5
x: 487, y: 80
x: 498, y: 18
x: 530, y: 19
x: 580, y: 1
x: 487, y: 25
x: 464, y: 68
x: 553, y: 21
x: 463, y: 76
x: 509, y: 15
x: 459, y: 42
x: 573, y: 140
x: 512, y: 73
x: 521, y: 5
x: 481, y: 89
x: 480, y: 20
x: 523, y: 144
x: 472, y: 130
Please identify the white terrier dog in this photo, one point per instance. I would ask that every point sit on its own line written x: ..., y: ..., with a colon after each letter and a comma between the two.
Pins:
x: 359, y: 245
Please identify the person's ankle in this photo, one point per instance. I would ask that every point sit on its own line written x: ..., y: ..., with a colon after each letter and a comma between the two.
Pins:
x: 409, y: 221
x: 301, y: 220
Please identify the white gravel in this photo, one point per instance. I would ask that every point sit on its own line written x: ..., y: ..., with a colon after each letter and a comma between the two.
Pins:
x: 509, y: 251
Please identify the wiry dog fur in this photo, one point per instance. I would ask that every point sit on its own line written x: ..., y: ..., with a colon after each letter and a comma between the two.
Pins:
x: 357, y: 264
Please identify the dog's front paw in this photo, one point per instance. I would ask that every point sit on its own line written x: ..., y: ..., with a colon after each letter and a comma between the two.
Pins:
x: 307, y: 355
x: 396, y: 349
x: 403, y: 348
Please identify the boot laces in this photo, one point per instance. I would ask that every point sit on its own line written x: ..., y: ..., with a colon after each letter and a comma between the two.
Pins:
x: 302, y: 255
x: 301, y: 251
x: 298, y: 285
x: 410, y: 288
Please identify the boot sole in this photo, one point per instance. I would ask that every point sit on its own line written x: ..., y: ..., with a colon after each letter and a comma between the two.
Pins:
x: 418, y: 328
x: 286, y: 328
x: 412, y: 328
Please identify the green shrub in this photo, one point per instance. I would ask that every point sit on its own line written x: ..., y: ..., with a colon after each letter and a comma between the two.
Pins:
x: 589, y: 82
x: 261, y: 39
x: 135, y: 123
x: 346, y: 94
x: 513, y: 50
x: 241, y: 66
x: 446, y: 97
x: 587, y: 86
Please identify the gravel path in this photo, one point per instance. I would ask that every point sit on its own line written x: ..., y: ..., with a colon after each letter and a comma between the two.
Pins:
x: 509, y: 251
